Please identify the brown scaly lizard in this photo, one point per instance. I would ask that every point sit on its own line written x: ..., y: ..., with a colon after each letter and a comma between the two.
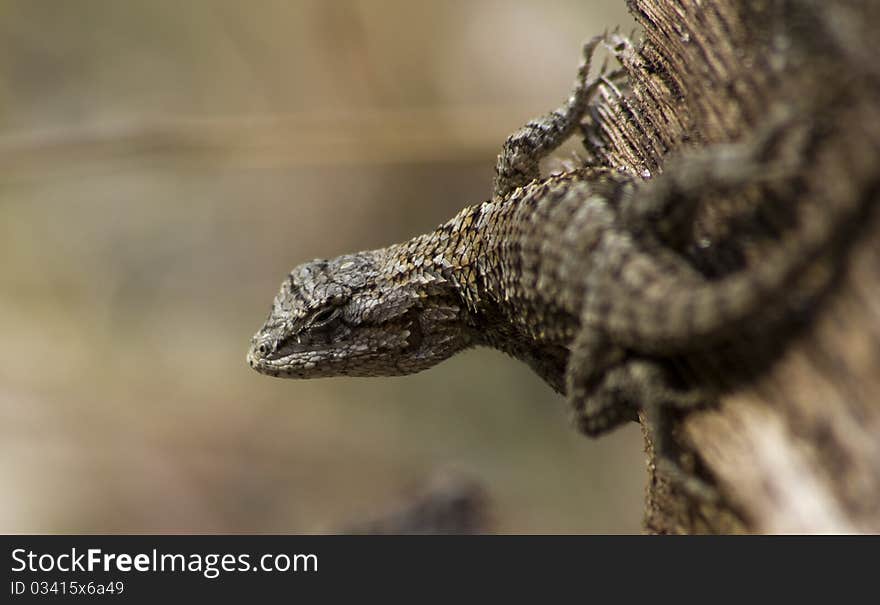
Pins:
x: 573, y: 274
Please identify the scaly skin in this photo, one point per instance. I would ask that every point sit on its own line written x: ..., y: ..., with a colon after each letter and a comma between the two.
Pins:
x: 573, y: 274
x: 404, y: 308
x: 475, y: 280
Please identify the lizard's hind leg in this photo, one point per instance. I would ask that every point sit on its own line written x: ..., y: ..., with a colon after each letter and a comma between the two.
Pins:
x: 666, y: 204
x: 518, y: 162
x: 597, y: 406
x: 606, y: 387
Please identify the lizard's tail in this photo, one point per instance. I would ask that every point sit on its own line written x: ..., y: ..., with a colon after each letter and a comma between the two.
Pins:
x: 668, y: 315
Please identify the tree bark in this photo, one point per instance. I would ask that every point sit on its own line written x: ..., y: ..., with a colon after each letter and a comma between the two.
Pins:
x: 793, y: 445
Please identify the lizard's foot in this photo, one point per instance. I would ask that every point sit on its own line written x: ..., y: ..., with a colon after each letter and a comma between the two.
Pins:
x: 694, y: 487
x: 518, y: 162
x: 657, y: 405
x: 597, y: 406
x: 602, y: 400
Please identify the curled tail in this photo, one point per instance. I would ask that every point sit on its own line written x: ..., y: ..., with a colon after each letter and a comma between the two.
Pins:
x: 658, y: 309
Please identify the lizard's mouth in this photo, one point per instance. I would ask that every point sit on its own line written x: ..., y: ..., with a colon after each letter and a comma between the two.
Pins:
x: 283, y: 358
x: 292, y: 362
x: 275, y: 354
x: 312, y: 360
x: 377, y: 350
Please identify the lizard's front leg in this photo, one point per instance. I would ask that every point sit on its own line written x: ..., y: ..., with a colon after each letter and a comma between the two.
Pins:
x: 518, y: 162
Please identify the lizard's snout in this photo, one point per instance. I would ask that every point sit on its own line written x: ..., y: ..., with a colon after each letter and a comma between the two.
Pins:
x: 260, y: 349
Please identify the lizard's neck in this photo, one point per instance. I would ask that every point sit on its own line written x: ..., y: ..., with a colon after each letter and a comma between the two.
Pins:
x: 482, y: 257
x: 455, y: 261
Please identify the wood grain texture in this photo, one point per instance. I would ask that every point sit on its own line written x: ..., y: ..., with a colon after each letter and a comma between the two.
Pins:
x: 795, y: 444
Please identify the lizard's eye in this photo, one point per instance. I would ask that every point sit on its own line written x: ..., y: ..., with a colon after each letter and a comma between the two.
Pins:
x: 324, y: 317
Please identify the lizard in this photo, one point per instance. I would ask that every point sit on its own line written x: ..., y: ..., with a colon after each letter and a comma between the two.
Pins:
x: 578, y: 274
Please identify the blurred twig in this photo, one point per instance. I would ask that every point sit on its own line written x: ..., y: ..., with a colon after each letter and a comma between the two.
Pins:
x: 435, y: 135
x: 449, y: 504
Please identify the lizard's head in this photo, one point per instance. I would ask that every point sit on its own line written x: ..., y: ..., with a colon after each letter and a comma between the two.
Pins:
x: 357, y: 315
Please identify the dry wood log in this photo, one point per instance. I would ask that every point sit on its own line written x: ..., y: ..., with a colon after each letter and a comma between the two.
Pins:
x: 794, y: 445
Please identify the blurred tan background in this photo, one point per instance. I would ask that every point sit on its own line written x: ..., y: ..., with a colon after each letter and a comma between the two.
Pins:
x: 164, y: 164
